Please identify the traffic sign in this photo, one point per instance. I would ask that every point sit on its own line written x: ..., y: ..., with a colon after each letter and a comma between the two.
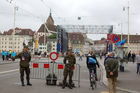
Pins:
x: 53, y: 56
x: 115, y: 38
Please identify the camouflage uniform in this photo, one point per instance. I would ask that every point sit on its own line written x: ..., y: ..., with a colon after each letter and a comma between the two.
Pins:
x: 69, y: 62
x: 25, y: 58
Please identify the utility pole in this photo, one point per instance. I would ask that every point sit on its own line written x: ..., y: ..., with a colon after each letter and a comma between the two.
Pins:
x: 128, y: 27
x: 13, y: 34
x: 121, y: 31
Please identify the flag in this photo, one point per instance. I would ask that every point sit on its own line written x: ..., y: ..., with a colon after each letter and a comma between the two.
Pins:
x: 120, y: 43
x: 36, y: 44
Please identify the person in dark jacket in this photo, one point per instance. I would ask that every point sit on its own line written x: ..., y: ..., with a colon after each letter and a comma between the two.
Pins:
x: 92, y: 67
x: 133, y: 57
x: 129, y: 56
x: 111, y: 66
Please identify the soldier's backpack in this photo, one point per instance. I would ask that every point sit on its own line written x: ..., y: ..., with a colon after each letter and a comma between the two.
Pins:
x: 51, y: 79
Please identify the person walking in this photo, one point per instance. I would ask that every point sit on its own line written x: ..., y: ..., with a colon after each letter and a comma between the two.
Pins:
x: 80, y: 56
x: 10, y: 52
x: 3, y: 55
x: 7, y: 55
x: 13, y: 55
x: 138, y: 63
x: 111, y: 66
x: 129, y: 56
x: 133, y: 57
x: 25, y: 58
x: 69, y: 61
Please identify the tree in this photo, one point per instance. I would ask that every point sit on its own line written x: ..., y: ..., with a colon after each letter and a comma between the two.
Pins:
x: 53, y: 36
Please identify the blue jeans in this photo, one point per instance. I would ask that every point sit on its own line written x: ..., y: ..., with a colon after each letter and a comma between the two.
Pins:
x: 90, y: 71
x: 138, y: 68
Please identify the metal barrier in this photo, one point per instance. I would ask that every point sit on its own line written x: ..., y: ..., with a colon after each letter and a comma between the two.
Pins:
x: 40, y: 69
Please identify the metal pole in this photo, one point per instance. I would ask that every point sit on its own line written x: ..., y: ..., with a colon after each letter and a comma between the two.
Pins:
x: 14, y: 28
x: 128, y: 28
x: 121, y: 31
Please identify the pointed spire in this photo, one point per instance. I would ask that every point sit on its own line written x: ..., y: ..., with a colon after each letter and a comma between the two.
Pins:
x: 50, y: 12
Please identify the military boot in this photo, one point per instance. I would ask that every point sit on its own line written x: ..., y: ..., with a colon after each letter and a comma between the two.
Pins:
x: 22, y: 83
x: 28, y: 83
x: 70, y: 86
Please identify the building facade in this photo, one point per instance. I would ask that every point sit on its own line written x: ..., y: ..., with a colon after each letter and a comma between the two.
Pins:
x: 134, y: 41
x: 15, y: 42
x: 77, y: 42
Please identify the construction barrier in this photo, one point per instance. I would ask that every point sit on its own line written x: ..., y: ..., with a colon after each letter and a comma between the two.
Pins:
x: 41, y: 69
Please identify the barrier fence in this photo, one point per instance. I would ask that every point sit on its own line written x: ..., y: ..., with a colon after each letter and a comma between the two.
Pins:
x: 40, y: 69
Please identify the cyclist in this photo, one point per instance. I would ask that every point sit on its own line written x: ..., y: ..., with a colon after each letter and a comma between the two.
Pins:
x: 91, y: 64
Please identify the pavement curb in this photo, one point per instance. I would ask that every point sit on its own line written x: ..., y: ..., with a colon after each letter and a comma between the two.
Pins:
x: 104, y: 80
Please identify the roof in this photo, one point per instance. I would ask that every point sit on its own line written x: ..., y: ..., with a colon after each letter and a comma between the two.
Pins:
x: 50, y: 27
x: 20, y: 31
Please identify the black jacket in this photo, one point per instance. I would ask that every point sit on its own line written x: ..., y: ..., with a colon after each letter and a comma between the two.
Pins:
x: 92, y: 65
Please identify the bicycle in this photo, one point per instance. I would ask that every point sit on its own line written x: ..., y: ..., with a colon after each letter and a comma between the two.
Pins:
x: 93, y: 80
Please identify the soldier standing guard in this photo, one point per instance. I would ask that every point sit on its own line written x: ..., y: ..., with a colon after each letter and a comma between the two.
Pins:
x: 25, y: 58
x: 69, y: 61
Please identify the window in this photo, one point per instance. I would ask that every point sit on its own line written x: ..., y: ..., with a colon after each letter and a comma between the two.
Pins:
x: 53, y: 45
x: 5, y: 46
x: 53, y: 41
x: 18, y: 46
x: 53, y: 49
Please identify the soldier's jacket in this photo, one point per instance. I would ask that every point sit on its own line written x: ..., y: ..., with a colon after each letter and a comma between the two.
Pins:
x: 111, y: 65
x: 25, y: 58
x: 69, y: 62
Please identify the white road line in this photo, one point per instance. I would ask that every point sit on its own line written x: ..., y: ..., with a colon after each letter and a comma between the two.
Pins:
x: 4, y: 72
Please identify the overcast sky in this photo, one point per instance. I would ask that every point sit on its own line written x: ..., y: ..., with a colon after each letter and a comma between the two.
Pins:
x: 32, y: 13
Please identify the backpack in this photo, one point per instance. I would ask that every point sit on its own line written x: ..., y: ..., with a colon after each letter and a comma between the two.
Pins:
x: 91, y: 60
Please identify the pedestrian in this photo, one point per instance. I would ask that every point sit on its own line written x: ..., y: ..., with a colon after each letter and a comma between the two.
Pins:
x: 133, y: 57
x: 7, y: 55
x: 106, y: 57
x: 45, y: 53
x: 10, y: 52
x: 69, y: 61
x: 80, y: 57
x: 3, y: 55
x: 111, y: 66
x: 129, y: 56
x: 13, y: 55
x: 25, y: 58
x: 138, y: 63
x: 91, y: 65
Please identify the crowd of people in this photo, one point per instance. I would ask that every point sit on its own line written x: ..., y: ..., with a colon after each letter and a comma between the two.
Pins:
x: 6, y: 55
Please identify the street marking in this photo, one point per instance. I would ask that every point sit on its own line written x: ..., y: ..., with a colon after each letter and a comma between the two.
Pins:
x: 4, y: 72
x: 104, y: 92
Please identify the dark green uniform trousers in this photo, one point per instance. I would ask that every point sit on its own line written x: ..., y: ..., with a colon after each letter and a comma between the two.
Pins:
x: 66, y: 73
x: 27, y: 71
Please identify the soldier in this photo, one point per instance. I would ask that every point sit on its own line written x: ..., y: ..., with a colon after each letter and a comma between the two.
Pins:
x: 25, y: 58
x: 69, y: 61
